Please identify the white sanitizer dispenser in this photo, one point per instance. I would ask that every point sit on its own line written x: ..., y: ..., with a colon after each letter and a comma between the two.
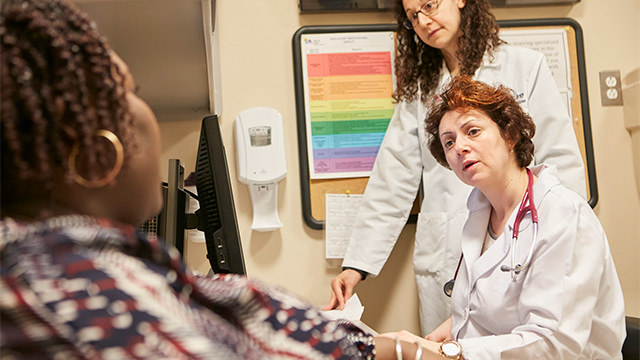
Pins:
x: 261, y: 162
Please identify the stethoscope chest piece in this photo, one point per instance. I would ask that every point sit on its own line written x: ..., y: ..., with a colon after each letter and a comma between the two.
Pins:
x: 448, y: 287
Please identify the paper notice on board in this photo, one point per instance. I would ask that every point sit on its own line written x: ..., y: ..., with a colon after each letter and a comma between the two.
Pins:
x: 553, y: 43
x: 340, y: 214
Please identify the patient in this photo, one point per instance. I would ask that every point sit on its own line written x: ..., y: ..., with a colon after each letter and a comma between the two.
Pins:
x: 80, y: 155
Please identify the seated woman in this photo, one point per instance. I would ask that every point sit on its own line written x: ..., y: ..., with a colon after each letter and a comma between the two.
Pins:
x: 80, y: 171
x: 523, y: 290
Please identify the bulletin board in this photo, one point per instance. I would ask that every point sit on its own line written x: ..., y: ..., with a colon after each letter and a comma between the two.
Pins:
x: 344, y: 79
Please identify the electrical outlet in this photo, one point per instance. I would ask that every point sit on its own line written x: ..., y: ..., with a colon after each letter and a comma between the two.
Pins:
x: 610, y: 88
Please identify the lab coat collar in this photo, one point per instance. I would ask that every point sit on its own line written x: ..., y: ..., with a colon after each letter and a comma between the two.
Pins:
x: 475, y: 232
x: 495, y: 61
x: 445, y: 79
x: 547, y: 178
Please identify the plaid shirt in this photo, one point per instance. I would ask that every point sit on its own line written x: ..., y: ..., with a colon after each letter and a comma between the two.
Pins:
x: 76, y: 287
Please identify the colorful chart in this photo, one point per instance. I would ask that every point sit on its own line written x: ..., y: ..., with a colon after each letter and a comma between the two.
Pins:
x: 350, y: 107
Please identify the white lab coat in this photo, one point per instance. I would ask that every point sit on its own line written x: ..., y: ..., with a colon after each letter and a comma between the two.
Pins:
x: 567, y: 304
x: 404, y: 159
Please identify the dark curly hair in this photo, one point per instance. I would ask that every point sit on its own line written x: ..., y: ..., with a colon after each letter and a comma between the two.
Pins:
x: 59, y: 86
x: 418, y: 65
x: 465, y: 94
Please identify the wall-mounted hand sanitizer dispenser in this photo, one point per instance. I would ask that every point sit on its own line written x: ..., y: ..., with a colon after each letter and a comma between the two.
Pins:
x: 261, y: 162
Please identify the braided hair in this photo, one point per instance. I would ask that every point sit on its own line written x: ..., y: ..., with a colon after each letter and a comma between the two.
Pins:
x: 59, y: 86
x: 418, y: 65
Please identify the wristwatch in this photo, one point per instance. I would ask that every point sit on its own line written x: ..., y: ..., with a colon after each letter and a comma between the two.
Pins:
x: 451, y: 349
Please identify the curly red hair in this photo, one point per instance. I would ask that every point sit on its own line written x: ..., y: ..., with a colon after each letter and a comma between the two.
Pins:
x: 465, y: 94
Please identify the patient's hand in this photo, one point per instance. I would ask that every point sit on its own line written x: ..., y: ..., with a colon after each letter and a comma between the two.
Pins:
x: 441, y: 333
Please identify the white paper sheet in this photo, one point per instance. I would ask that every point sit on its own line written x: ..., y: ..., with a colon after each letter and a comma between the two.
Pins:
x: 353, y: 311
x: 340, y: 214
x: 553, y: 43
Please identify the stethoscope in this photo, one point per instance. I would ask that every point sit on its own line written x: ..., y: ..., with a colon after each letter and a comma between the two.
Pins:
x: 526, y: 205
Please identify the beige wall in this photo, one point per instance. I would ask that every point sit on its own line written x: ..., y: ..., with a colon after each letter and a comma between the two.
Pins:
x: 257, y: 70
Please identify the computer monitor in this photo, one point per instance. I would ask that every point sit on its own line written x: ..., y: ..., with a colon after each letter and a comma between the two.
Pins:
x: 169, y: 225
x: 217, y: 214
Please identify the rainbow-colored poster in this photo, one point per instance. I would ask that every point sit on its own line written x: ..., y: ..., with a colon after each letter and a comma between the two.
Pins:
x: 348, y: 86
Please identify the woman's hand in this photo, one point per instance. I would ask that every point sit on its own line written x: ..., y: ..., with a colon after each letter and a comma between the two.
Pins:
x: 342, y: 288
x: 441, y: 333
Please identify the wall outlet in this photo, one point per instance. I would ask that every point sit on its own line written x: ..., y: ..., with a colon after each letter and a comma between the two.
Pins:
x: 610, y: 88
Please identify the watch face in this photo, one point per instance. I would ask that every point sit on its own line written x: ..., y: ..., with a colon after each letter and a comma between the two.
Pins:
x: 451, y: 349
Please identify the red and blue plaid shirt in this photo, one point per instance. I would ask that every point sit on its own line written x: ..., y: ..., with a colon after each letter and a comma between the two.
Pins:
x: 76, y: 287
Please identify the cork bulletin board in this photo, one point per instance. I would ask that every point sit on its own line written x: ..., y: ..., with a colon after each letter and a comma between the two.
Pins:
x: 344, y: 79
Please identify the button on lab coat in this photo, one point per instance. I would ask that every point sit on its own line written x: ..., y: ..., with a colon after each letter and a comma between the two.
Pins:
x: 404, y: 159
x: 567, y: 304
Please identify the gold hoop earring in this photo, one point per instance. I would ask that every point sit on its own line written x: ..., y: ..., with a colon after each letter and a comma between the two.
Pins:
x: 117, y: 145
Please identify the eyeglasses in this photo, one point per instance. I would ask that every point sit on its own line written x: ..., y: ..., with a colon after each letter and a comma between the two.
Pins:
x: 428, y: 8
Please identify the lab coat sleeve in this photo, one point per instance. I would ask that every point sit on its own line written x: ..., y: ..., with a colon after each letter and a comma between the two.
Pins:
x: 389, y: 195
x: 561, y: 305
x: 555, y: 140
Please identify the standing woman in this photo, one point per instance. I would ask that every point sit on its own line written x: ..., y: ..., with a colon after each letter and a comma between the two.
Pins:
x: 438, y: 40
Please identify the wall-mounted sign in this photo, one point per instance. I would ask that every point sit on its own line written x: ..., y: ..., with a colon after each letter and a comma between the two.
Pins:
x: 319, y: 6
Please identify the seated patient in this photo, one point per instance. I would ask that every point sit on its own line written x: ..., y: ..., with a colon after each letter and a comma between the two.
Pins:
x: 80, y: 155
x: 563, y: 299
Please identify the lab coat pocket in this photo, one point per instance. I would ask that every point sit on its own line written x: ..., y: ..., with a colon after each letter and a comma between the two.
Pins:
x: 497, y: 297
x: 437, y: 241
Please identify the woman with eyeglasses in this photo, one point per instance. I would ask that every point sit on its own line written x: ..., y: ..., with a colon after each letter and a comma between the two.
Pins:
x: 436, y: 41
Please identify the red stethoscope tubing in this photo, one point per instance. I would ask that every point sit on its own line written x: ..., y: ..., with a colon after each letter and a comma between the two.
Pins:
x: 526, y: 205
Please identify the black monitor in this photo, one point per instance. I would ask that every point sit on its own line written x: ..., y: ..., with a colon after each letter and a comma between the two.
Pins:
x: 170, y: 224
x: 217, y: 214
